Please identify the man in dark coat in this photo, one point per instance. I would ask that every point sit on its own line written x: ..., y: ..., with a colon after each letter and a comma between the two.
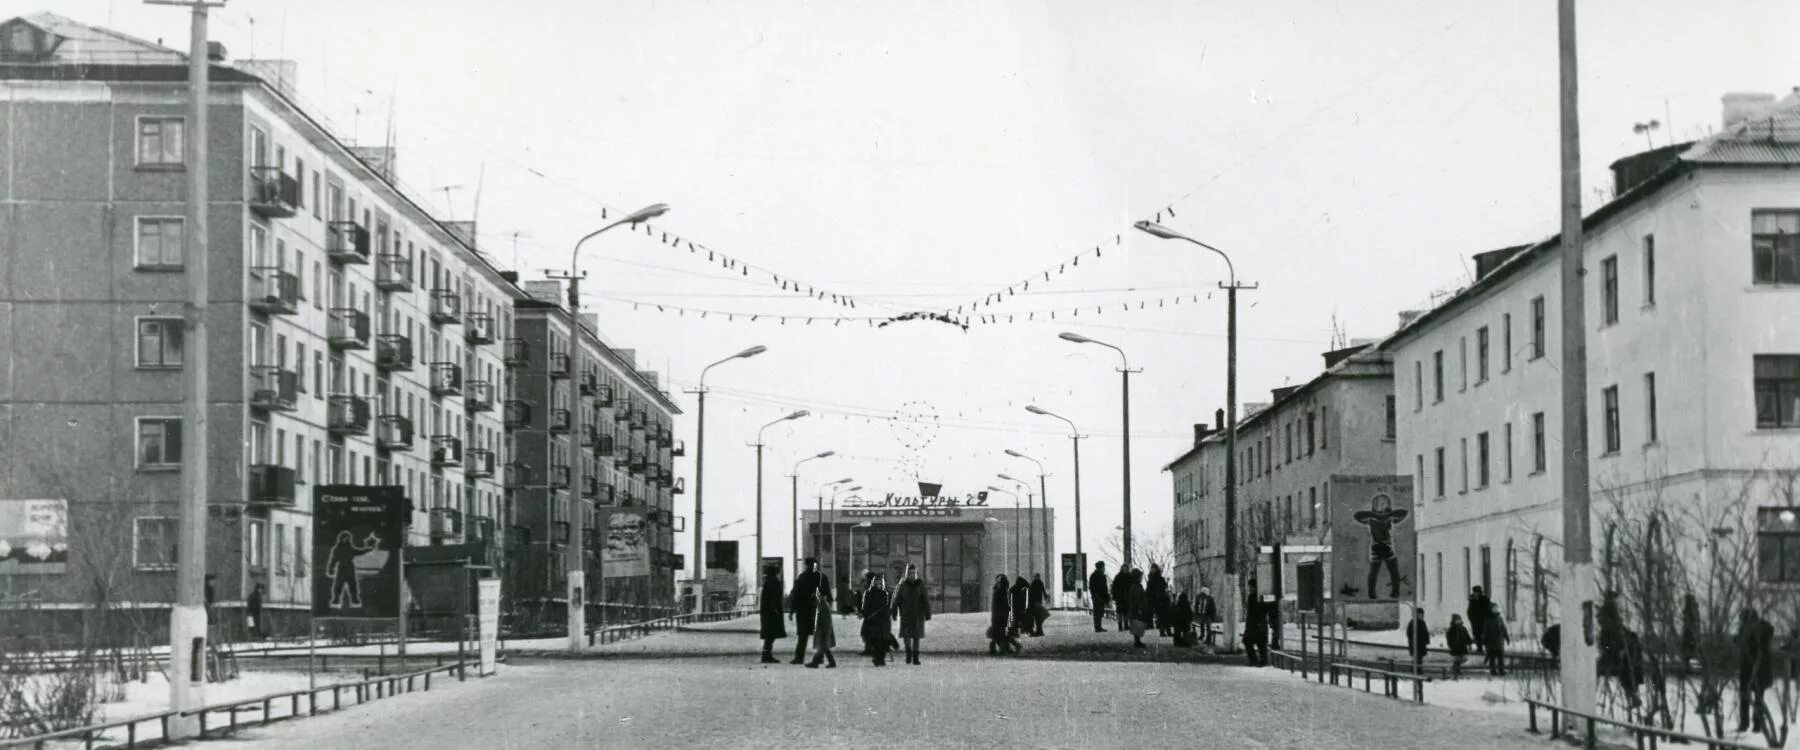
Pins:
x: 1458, y: 639
x: 772, y: 628
x: 1206, y: 612
x: 1256, y: 626
x: 1097, y: 588
x: 912, y: 605
x: 1418, y: 638
x: 878, y: 620
x: 1756, y: 669
x: 1478, y: 616
x: 999, y: 608
x: 1035, y: 602
x: 1021, y: 615
x: 1121, y: 596
x: 1157, y: 587
x: 804, y: 606
x: 253, y: 609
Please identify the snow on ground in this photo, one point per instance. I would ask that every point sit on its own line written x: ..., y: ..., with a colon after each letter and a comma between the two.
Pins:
x: 151, y: 697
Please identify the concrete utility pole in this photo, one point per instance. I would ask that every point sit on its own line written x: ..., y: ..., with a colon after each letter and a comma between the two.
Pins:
x: 187, y: 618
x: 1074, y: 437
x: 1578, y: 668
x: 700, y: 477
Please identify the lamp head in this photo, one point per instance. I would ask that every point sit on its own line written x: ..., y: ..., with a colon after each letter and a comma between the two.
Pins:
x: 1007, y: 478
x: 797, y: 415
x: 1075, y: 338
x: 995, y: 489
x: 826, y: 454
x: 853, y: 489
x: 864, y: 525
x: 1015, y: 454
x: 845, y: 480
x: 1033, y: 408
x: 647, y: 213
x: 1157, y: 230
x: 751, y: 352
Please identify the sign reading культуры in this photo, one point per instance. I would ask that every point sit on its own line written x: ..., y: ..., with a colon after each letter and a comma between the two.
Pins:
x: 357, y: 539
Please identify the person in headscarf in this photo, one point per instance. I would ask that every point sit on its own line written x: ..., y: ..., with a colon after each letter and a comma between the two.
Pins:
x: 878, y: 623
x: 1181, y: 620
x: 824, y: 635
x: 999, y: 608
x: 1157, y: 587
x: 770, y: 609
x: 1141, y: 611
x: 1021, y: 612
x: 1035, y: 602
x: 912, y: 604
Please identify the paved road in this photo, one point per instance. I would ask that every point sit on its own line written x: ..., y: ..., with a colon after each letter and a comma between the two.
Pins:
x: 956, y: 699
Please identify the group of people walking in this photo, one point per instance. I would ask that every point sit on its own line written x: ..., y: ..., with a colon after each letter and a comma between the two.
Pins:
x: 1486, y: 633
x: 1141, y: 602
x: 1015, y: 609
x: 811, y: 603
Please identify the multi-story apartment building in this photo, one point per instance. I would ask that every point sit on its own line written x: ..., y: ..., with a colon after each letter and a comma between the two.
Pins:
x: 593, y: 448
x: 352, y: 335
x: 1693, y: 337
x: 1335, y: 429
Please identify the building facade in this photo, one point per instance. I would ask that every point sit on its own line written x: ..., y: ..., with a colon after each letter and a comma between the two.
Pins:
x: 1693, y: 345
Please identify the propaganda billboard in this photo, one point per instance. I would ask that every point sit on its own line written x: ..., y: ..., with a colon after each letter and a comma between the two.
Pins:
x: 1074, y: 569
x: 358, y: 534
x: 34, y: 537
x: 1372, y: 540
x: 627, y: 551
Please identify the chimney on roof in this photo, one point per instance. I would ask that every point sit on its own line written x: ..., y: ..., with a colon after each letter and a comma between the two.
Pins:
x: 1740, y: 107
x: 1218, y: 419
x: 512, y: 276
x: 1408, y: 316
x: 1200, y: 433
x: 545, y: 290
x: 464, y: 230
x: 383, y: 159
x: 279, y: 74
x: 215, y: 51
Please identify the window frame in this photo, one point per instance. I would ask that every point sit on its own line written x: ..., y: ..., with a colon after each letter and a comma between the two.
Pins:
x: 137, y: 443
x: 137, y: 142
x: 165, y: 324
x: 1538, y: 334
x: 1648, y: 258
x: 1787, y: 542
x: 1540, y: 448
x: 1612, y: 436
x: 1482, y: 340
x: 1780, y: 385
x: 1437, y: 376
x: 1506, y: 356
x: 137, y: 243
x: 137, y: 548
x: 1483, y: 459
x: 1651, y: 429
x: 1609, y: 290
x: 1782, y: 243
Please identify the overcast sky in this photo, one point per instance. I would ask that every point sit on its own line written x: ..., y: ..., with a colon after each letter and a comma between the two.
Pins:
x: 1351, y: 156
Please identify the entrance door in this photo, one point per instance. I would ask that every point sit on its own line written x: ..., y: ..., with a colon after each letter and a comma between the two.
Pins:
x: 1311, y: 585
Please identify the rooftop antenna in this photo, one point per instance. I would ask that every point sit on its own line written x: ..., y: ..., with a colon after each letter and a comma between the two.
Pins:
x: 1646, y: 128
x: 480, y: 178
x: 449, y: 206
x: 515, y: 238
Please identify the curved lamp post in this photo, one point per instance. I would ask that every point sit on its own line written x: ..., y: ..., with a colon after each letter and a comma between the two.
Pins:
x: 1017, y: 563
x: 759, y: 480
x: 1074, y: 437
x: 1031, y: 558
x: 1125, y: 410
x: 700, y: 467
x: 794, y: 516
x: 1046, y: 534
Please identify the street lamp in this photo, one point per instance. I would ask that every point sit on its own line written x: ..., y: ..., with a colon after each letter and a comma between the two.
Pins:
x: 852, y: 542
x: 1017, y: 566
x: 1124, y: 409
x: 1231, y: 289
x: 1048, y: 533
x: 575, y: 558
x: 1074, y: 437
x: 1031, y: 557
x: 700, y: 463
x: 759, y: 479
x: 794, y: 517
x: 833, y: 524
x: 996, y: 522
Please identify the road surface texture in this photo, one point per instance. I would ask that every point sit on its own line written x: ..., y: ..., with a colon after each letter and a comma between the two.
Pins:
x: 703, y: 688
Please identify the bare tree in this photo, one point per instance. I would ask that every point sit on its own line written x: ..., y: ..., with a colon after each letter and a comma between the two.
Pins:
x: 1155, y: 547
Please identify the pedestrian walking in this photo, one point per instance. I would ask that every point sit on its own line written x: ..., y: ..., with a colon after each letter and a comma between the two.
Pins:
x: 1181, y: 621
x: 1141, y: 610
x: 999, y: 607
x: 1418, y: 638
x: 1158, y: 588
x: 1494, y: 638
x: 253, y: 612
x: 1034, y: 602
x: 868, y: 582
x: 1021, y: 608
x: 1206, y: 612
x: 803, y: 603
x: 824, y: 634
x: 1552, y: 642
x: 769, y: 609
x: 1458, y: 639
x: 1756, y: 669
x: 1121, y: 600
x: 1256, y: 627
x: 846, y: 599
x: 912, y: 604
x: 878, y: 622
x: 1478, y: 613
x: 1097, y: 588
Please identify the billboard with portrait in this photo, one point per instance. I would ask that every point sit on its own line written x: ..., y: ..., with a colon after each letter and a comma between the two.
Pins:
x: 34, y: 537
x: 627, y: 551
x: 1372, y: 540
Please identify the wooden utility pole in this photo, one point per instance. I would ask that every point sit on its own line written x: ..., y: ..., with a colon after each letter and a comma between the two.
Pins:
x: 187, y: 618
x: 1578, y: 678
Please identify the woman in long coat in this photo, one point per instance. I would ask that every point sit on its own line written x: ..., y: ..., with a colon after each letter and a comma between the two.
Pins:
x: 824, y: 637
x: 1021, y: 608
x: 999, y: 607
x: 912, y: 603
x: 878, y: 621
x: 772, y: 627
x: 1158, y: 589
x: 1141, y: 609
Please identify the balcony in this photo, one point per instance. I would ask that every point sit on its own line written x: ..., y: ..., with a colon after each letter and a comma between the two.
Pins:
x: 606, y: 495
x: 589, y: 435
x: 480, y: 396
x: 446, y: 379
x: 446, y: 450
x: 347, y: 328
x: 592, y: 541
x: 346, y: 242
x: 446, y: 307
x: 560, y: 420
x: 604, y: 446
x: 480, y: 528
x: 637, y: 463
x: 515, y: 475
x: 446, y: 524
x: 559, y: 364
x: 393, y: 433
x: 590, y: 486
x: 678, y: 449
x: 680, y: 486
x: 622, y: 415
x: 588, y: 384
x: 348, y: 415
x: 515, y: 352
x: 559, y: 477
x: 393, y: 352
x: 393, y: 273
x: 271, y: 485
x: 637, y: 419
x: 273, y: 291
x: 665, y: 437
x: 478, y: 328
x: 273, y: 193
x: 480, y: 463
x: 517, y: 415
x: 274, y: 389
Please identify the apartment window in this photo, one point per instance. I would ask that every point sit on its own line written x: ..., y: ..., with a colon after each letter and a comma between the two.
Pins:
x: 160, y: 141
x: 1324, y: 426
x: 318, y: 375
x: 1537, y: 443
x: 1463, y: 450
x: 158, y: 242
x: 300, y: 458
x: 1609, y: 290
x: 1462, y: 363
x: 1440, y: 472
x: 256, y: 540
x: 1481, y: 460
x: 158, y: 442
x: 1609, y: 398
x: 299, y: 550
x: 1312, y: 503
x: 1418, y: 385
x: 1537, y: 327
x: 153, y: 540
x: 1509, y: 451
x: 1288, y: 433
x: 1311, y: 433
x: 159, y: 343
x: 315, y: 196
x: 1650, y: 407
x: 1778, y: 545
x: 1392, y: 421
x: 1649, y: 270
x: 1775, y: 246
x: 1506, y: 343
x: 1481, y: 355
x: 1419, y: 480
x: 1437, y: 376
x: 1777, y: 382
x: 318, y: 469
x: 1439, y: 572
